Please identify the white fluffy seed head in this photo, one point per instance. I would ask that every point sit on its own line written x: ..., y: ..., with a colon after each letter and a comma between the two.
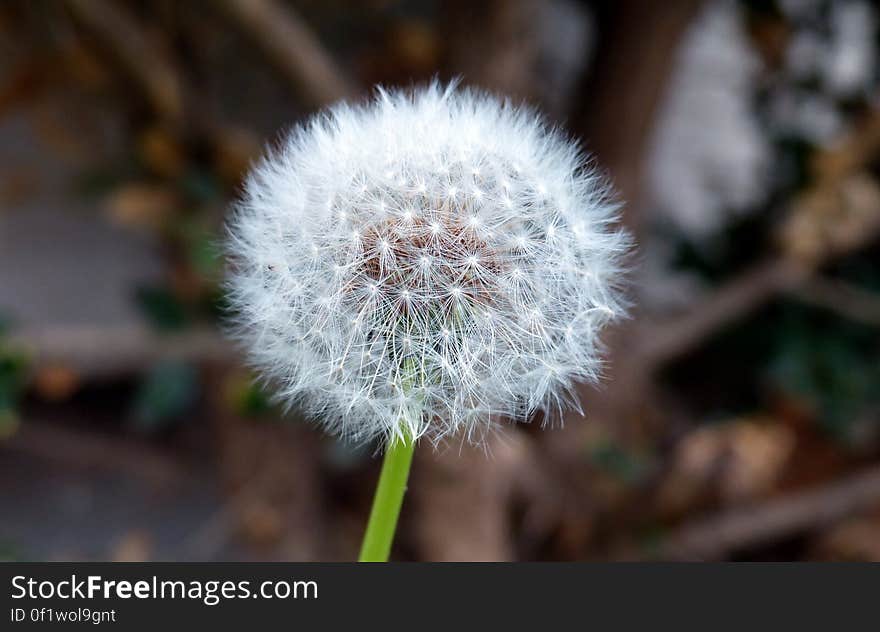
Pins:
x: 425, y: 264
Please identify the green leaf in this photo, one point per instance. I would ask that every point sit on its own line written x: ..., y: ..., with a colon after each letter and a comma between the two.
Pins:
x: 202, y: 186
x: 253, y: 401
x: 205, y: 254
x: 833, y: 367
x: 162, y: 309
x: 166, y: 394
x: 622, y: 464
x: 10, y: 553
x: 13, y: 372
x: 13, y: 377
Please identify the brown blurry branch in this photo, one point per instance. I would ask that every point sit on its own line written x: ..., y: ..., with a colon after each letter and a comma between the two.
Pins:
x: 100, y: 351
x: 461, y: 498
x: 291, y: 46
x: 615, y: 115
x: 838, y: 215
x: 667, y: 341
x: 492, y: 44
x: 148, y: 66
x: 622, y: 93
x: 842, y: 298
x: 738, y: 529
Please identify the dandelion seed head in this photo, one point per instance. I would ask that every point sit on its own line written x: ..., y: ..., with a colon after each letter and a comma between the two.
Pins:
x: 441, y: 260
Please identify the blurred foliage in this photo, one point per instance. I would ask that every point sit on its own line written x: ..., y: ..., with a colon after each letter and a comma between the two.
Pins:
x: 826, y: 364
x: 832, y: 367
x: 97, y: 181
x: 10, y: 553
x: 203, y: 250
x: 619, y: 462
x: 164, y: 396
x: 246, y: 396
x: 202, y: 186
x: 162, y: 308
x: 717, y: 257
x: 14, y: 365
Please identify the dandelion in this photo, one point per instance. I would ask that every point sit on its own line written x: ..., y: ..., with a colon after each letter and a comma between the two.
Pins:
x: 424, y: 266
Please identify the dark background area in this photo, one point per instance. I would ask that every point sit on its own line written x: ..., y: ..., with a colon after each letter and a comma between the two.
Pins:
x: 740, y: 415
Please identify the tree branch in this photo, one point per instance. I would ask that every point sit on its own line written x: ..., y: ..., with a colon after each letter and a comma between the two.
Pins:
x: 294, y: 50
x: 150, y: 69
x: 715, y: 537
x: 662, y: 343
x: 98, y: 351
x: 842, y: 298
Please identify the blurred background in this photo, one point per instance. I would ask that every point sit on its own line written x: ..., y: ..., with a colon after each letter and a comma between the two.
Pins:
x: 740, y: 417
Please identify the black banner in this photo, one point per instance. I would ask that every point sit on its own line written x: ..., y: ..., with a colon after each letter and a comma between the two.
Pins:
x: 407, y: 596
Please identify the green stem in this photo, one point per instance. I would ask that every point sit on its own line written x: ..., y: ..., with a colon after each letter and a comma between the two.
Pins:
x: 386, y: 504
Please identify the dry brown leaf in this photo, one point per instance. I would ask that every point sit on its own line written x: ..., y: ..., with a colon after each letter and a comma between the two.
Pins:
x: 162, y: 151
x: 141, y: 205
x: 758, y: 452
x: 856, y: 540
x: 56, y: 382
x: 134, y: 546
x: 731, y: 462
x: 831, y: 220
x: 261, y: 523
x: 695, y: 464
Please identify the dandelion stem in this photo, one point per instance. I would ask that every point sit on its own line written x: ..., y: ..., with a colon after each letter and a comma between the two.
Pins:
x: 387, y: 502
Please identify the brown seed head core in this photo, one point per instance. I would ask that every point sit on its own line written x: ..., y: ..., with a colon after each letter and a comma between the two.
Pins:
x: 440, y: 258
